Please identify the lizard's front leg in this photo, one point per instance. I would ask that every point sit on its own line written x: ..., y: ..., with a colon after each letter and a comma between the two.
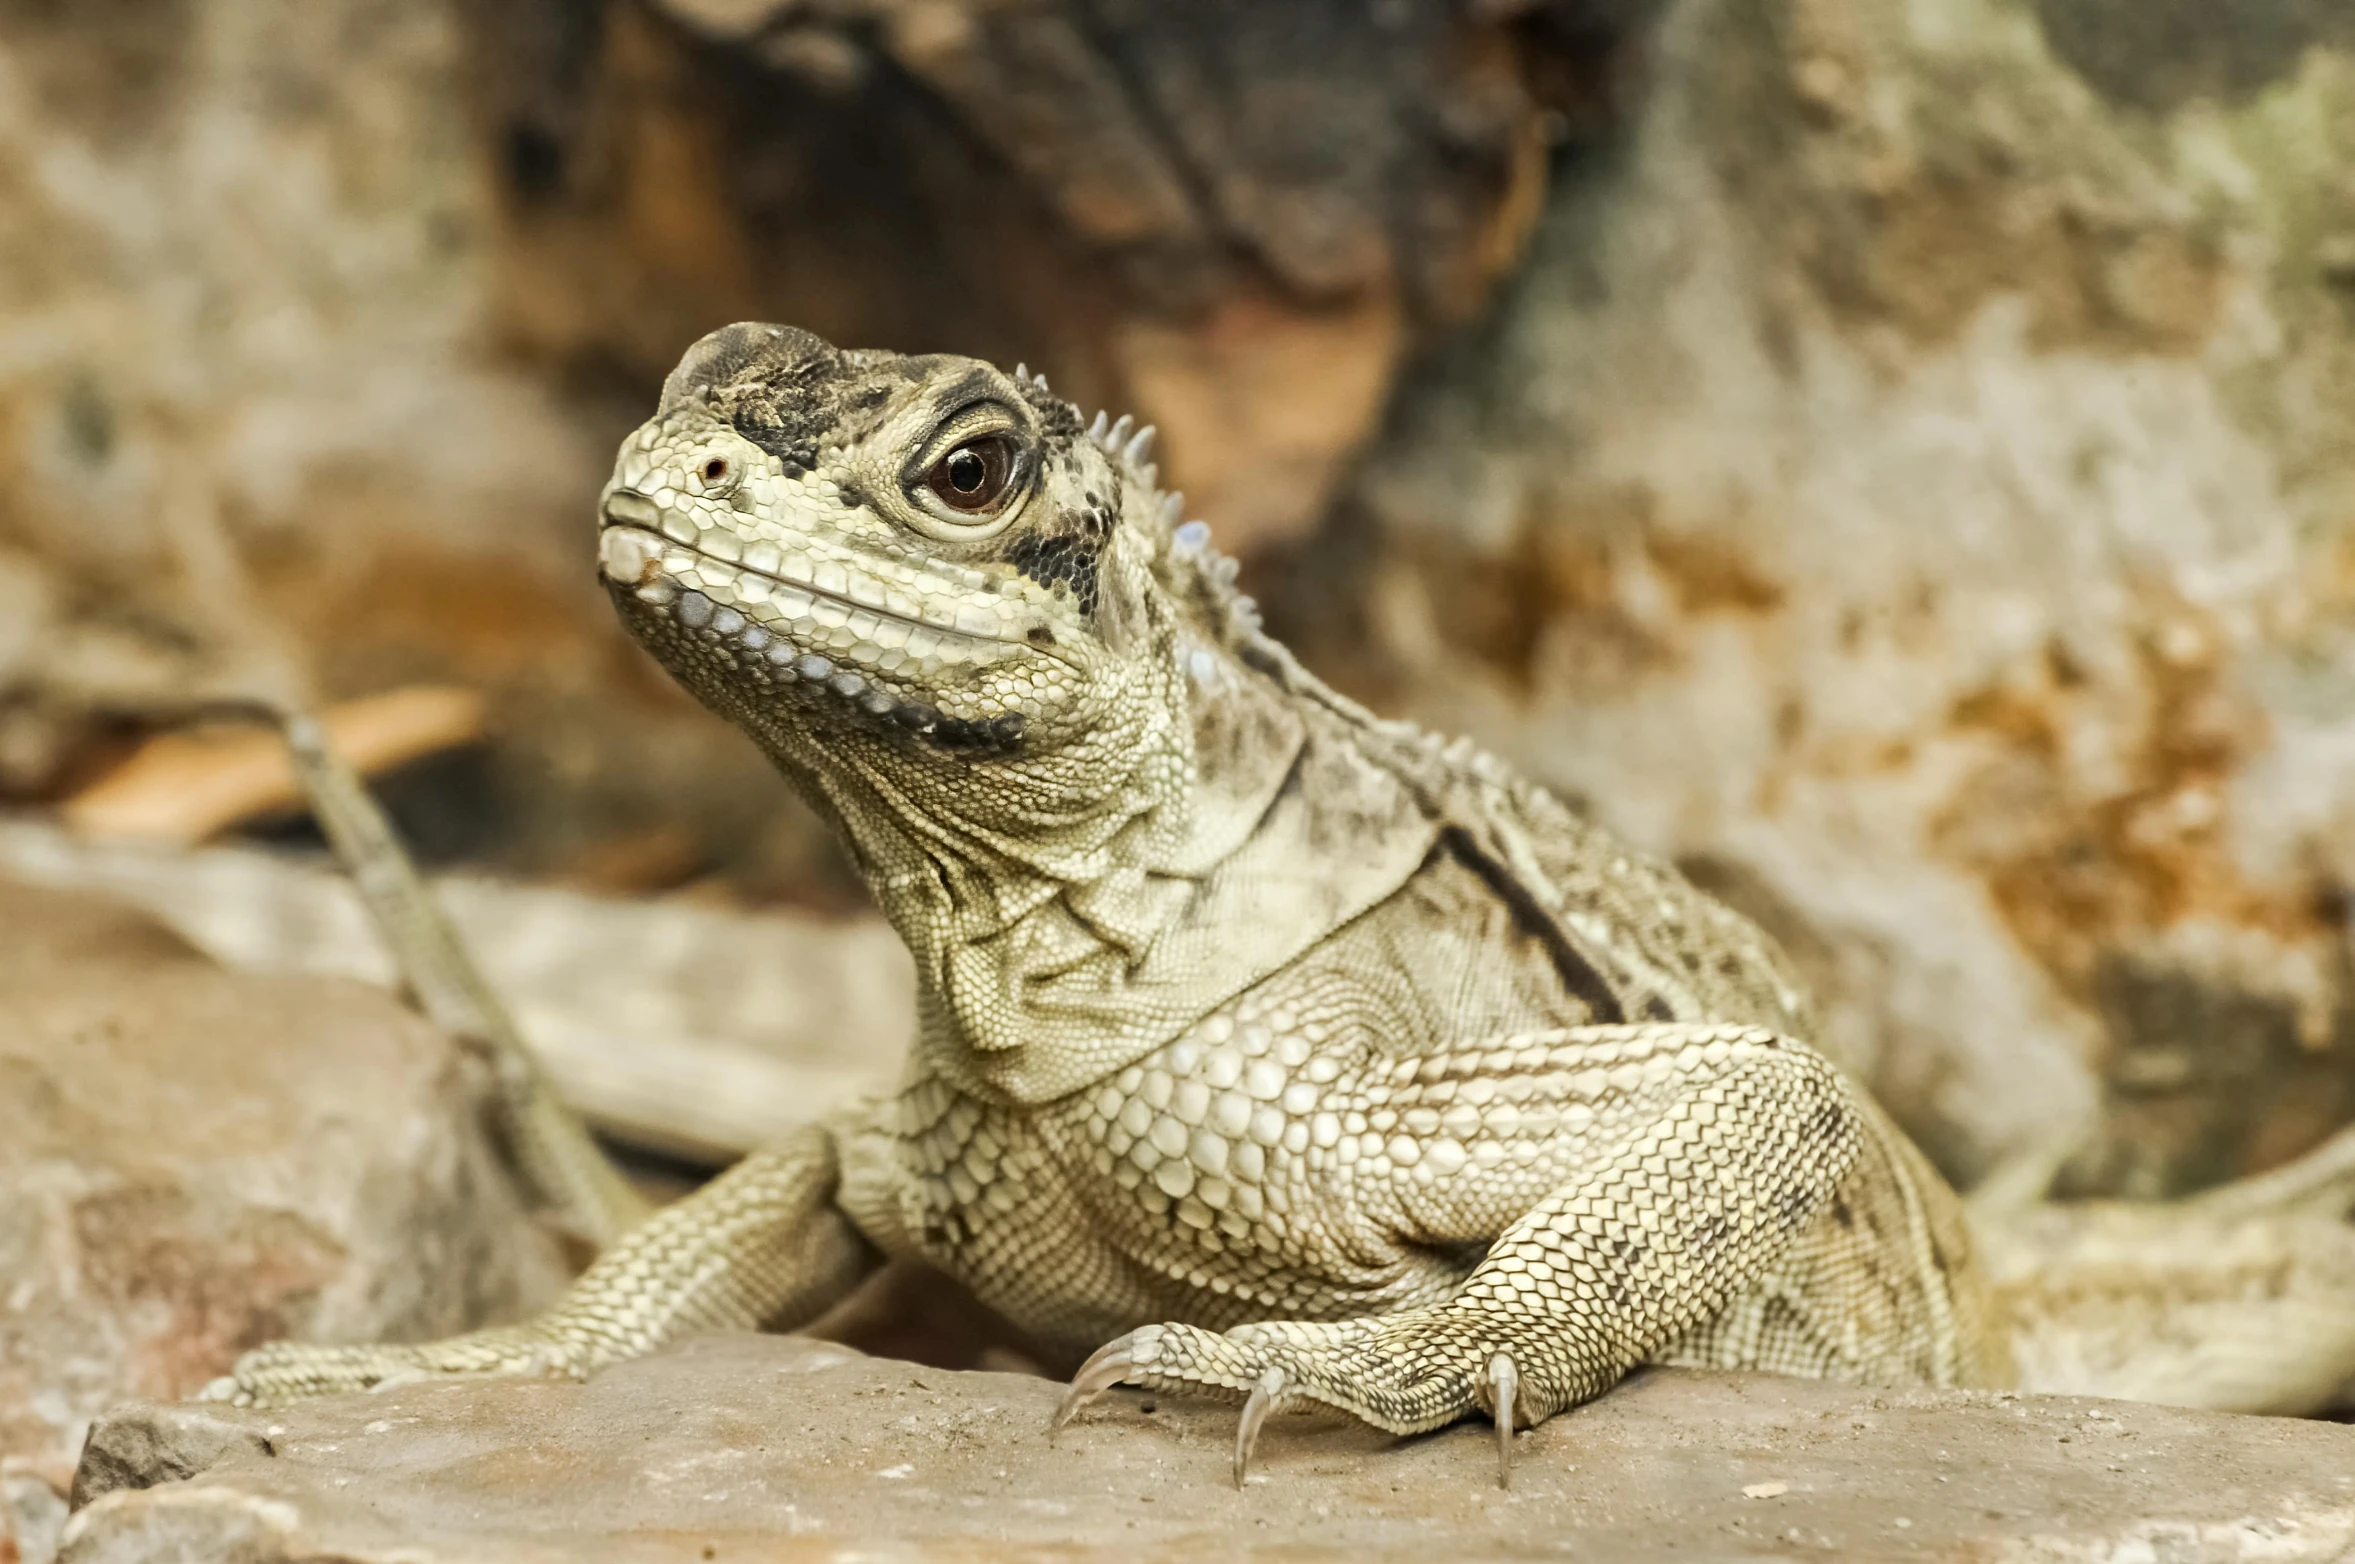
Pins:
x: 761, y: 1245
x: 1633, y: 1180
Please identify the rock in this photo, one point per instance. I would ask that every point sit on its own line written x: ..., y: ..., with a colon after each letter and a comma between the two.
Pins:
x: 736, y: 1446
x: 1235, y: 221
x: 32, y: 1513
x: 193, y: 1161
x: 1909, y: 485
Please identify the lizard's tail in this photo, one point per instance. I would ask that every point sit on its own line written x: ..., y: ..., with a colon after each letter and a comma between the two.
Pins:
x: 2240, y: 1300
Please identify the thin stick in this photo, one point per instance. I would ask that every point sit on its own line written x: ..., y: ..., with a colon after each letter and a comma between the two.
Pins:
x: 561, y: 1162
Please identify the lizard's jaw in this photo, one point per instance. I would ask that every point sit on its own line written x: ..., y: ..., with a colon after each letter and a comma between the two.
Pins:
x: 803, y: 631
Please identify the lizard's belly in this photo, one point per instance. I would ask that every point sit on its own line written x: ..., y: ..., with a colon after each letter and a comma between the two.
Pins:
x: 988, y: 1198
x: 1191, y: 1187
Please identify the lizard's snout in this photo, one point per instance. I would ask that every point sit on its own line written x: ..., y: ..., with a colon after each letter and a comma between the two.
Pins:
x: 627, y: 554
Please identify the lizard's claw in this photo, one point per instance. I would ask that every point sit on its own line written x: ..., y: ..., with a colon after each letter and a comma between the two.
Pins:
x: 1504, y: 1384
x: 1407, y: 1373
x: 1116, y: 1361
x: 1107, y: 1366
x: 1266, y: 1397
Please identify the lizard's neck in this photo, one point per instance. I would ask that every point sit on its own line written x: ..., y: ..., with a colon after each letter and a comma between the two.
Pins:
x: 1034, y: 907
x: 973, y: 843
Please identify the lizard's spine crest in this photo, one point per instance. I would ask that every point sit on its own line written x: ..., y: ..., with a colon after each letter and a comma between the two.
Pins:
x: 1196, y: 572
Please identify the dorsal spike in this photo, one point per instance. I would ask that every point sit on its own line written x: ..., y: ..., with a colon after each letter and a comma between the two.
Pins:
x: 1040, y: 381
x: 1118, y: 436
x: 1173, y: 510
x: 1102, y: 423
x: 1021, y: 373
x: 1140, y: 449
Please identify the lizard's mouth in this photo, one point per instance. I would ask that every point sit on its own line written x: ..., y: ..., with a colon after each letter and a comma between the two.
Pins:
x: 791, y: 634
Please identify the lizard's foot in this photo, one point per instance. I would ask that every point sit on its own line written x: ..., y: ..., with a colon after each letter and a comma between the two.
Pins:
x: 1406, y: 1373
x: 291, y: 1371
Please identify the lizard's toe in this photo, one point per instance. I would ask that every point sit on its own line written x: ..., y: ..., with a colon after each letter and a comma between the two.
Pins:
x: 1395, y: 1372
x: 284, y: 1371
x: 291, y: 1371
x: 1504, y: 1389
x: 226, y: 1388
x: 1142, y: 1357
x: 1266, y: 1397
x: 1107, y: 1366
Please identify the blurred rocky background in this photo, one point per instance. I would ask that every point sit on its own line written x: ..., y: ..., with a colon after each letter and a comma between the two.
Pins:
x: 1898, y: 460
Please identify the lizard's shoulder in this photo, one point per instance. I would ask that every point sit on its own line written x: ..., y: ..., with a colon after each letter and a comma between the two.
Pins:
x: 1633, y: 934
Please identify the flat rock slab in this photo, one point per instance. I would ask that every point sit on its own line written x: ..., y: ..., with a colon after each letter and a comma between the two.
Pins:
x: 742, y: 1447
x: 194, y: 1161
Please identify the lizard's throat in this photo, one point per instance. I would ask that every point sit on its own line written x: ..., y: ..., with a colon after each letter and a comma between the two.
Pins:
x: 1039, y: 967
x: 1019, y: 931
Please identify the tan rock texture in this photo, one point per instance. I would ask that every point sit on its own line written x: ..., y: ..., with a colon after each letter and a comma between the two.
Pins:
x: 694, y: 1030
x: 738, y: 1447
x: 193, y: 1161
x: 248, y: 272
x: 1236, y: 220
x: 1911, y: 484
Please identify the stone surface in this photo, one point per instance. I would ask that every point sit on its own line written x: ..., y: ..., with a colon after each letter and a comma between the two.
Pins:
x: 766, y: 1447
x: 1910, y: 484
x: 193, y: 1161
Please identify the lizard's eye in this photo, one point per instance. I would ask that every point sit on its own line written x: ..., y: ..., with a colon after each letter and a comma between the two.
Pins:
x: 975, y: 476
x: 715, y: 478
x: 971, y: 477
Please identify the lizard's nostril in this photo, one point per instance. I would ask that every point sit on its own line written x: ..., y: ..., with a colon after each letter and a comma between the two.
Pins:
x: 628, y: 505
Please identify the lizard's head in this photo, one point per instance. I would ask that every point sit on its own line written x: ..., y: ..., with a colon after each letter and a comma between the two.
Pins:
x: 898, y: 564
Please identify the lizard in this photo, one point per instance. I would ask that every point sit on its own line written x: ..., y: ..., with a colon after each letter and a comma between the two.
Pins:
x: 1268, y: 1048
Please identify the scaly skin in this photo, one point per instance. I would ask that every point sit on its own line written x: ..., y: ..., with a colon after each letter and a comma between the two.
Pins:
x: 1276, y: 1051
